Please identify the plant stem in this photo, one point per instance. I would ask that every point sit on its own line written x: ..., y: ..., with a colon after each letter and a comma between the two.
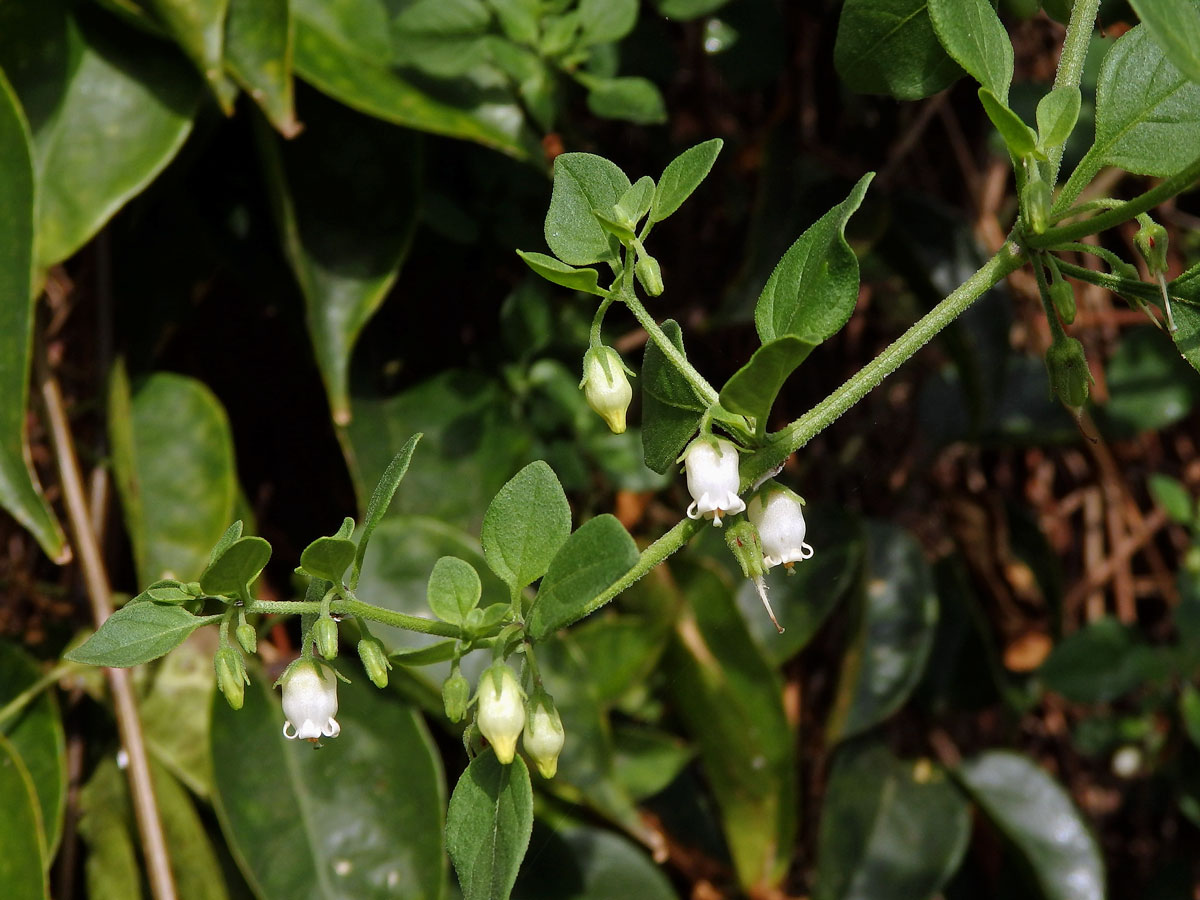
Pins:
x: 1070, y: 61
x: 1056, y: 329
x: 1113, y: 283
x: 1123, y: 212
x: 783, y: 443
x: 700, y: 385
x: 360, y: 609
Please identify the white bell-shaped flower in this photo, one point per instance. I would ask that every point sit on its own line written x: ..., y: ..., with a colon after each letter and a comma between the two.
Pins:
x: 501, y: 713
x: 544, y: 737
x: 712, y: 479
x: 310, y: 702
x: 606, y: 387
x: 778, y: 514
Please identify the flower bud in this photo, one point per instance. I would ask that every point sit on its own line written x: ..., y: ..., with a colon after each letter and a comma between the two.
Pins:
x: 1063, y: 299
x: 247, y: 637
x: 743, y: 542
x: 713, y: 479
x: 231, y: 676
x: 1151, y: 241
x: 649, y: 274
x: 501, y: 713
x: 1036, y: 200
x: 325, y: 635
x: 544, y: 736
x: 310, y: 701
x: 456, y: 692
x: 606, y: 387
x: 374, y: 660
x: 1067, y: 367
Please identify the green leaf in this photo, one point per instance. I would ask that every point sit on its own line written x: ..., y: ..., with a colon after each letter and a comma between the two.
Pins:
x: 605, y: 21
x: 682, y: 176
x: 109, y: 108
x: 621, y: 652
x: 1187, y: 315
x: 561, y: 274
x: 583, y: 182
x: 1034, y: 812
x: 1020, y: 138
x: 198, y: 26
x: 231, y: 534
x: 232, y: 572
x: 973, y: 35
x: 454, y: 589
x: 442, y: 651
x: 636, y: 202
x: 1101, y: 662
x: 1175, y: 26
x: 686, y: 10
x: 731, y: 702
x: 518, y: 19
x: 1147, y: 115
x: 671, y: 410
x: 165, y: 591
x: 361, y: 817
x: 893, y: 636
x: 381, y: 499
x: 646, y: 761
x: 36, y: 735
x: 1150, y: 390
x: 812, y: 292
x: 443, y: 17
x: 22, y: 850
x: 1173, y: 497
x: 328, y: 558
x: 888, y: 47
x: 525, y: 525
x: 173, y: 461
x: 1057, y: 113
x: 258, y: 52
x: 137, y: 633
x: 111, y: 867
x: 346, y: 51
x: 752, y: 389
x: 874, y: 807
x: 596, y: 555
x: 20, y: 493
x: 488, y: 826
x: 628, y: 98
x: 183, y: 680
x: 345, y: 201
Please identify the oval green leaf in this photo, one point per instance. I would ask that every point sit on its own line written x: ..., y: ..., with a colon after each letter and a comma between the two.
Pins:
x: 561, y: 274
x: 488, y: 826
x: 258, y: 52
x: 1019, y: 137
x: 682, y: 176
x: 889, y: 47
x: 974, y: 36
x: 752, y: 389
x: 671, y: 410
x: 454, y: 589
x: 328, y: 558
x: 21, y: 849
x: 137, y: 633
x: 234, y: 570
x: 381, y: 499
x: 1175, y: 26
x: 525, y: 525
x: 583, y: 182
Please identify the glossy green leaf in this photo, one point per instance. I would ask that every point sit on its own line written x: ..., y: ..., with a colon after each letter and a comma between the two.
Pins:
x: 645, y: 761
x: 1173, y: 497
x: 381, y: 499
x: 36, y: 735
x: 1150, y: 389
x: 199, y: 28
x: 183, y: 680
x: 975, y: 38
x: 752, y: 389
x: 583, y: 182
x: 109, y: 108
x: 605, y: 21
x: 258, y: 52
x: 1101, y: 662
x: 1175, y: 26
x: 22, y: 850
x: 671, y: 410
x: 345, y: 200
x: 173, y: 459
x: 1057, y: 113
x: 518, y: 19
x: 893, y: 635
x: 111, y: 868
x: 443, y: 17
x: 137, y: 633
x: 454, y: 589
x: 890, y: 829
x: 488, y: 826
x: 20, y: 493
x: 1033, y: 811
x: 621, y: 652
x: 682, y: 176
x: 328, y: 558
x: 628, y: 98
x: 596, y: 555
x: 1019, y: 137
x: 1147, y: 115
x: 561, y: 274
x: 361, y: 817
x: 814, y: 289
x: 525, y: 525
x: 442, y: 651
x: 731, y: 702
x: 889, y: 47
x: 235, y: 569
x: 346, y: 51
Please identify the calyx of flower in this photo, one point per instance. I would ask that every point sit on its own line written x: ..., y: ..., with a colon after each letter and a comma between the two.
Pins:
x: 713, y: 478
x: 231, y: 676
x: 310, y: 701
x: 500, y: 715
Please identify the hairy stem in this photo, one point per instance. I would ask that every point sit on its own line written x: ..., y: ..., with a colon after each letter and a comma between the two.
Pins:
x: 700, y: 385
x: 345, y: 607
x: 1070, y: 61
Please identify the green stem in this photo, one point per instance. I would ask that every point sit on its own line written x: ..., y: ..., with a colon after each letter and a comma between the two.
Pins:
x: 1039, y: 273
x: 783, y: 443
x: 1113, y: 283
x: 1164, y: 191
x: 360, y: 609
x: 598, y: 321
x: 1070, y: 61
x: 700, y: 385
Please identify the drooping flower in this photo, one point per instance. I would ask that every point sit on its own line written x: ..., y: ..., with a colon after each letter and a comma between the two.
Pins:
x: 544, y: 736
x: 310, y: 702
x: 712, y: 478
x: 606, y: 387
x: 778, y: 514
x: 501, y: 713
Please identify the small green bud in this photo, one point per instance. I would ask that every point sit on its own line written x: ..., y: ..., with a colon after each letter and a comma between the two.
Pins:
x: 649, y: 274
x: 456, y: 692
x: 1063, y: 299
x: 1151, y: 241
x: 374, y: 660
x: 1068, y: 370
x: 606, y: 386
x: 247, y: 637
x: 1035, y: 201
x: 231, y: 676
x: 325, y: 635
x: 544, y: 735
x: 743, y: 542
